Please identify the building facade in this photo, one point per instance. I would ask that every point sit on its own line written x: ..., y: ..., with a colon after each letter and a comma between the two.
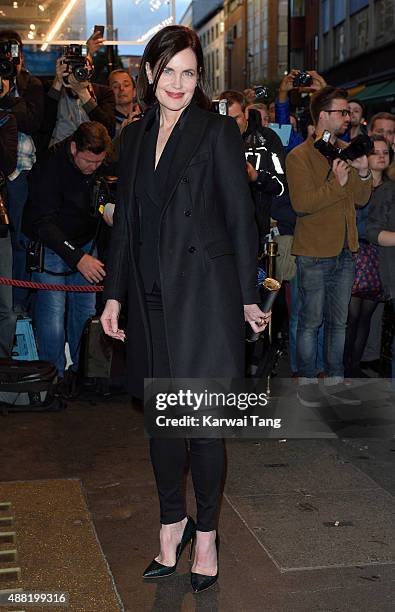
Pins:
x: 267, y: 40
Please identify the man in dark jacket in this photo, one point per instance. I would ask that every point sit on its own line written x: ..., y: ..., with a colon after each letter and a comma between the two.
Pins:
x: 265, y: 160
x: 59, y: 214
x: 8, y: 156
x: 68, y: 103
x: 21, y: 95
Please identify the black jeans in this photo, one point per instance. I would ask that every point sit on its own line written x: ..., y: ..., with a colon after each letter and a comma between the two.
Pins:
x: 170, y: 456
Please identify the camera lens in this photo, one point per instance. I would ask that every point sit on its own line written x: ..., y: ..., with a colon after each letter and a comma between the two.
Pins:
x: 81, y: 73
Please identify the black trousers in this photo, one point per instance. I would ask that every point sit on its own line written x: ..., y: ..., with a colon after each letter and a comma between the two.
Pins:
x: 170, y: 457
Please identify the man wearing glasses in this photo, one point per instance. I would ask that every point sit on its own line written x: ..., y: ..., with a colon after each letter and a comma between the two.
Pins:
x: 324, y: 195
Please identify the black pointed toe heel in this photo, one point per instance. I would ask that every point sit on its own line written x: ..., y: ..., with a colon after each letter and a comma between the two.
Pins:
x: 200, y: 582
x: 158, y: 570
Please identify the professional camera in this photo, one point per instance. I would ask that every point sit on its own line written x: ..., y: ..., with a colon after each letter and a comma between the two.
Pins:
x: 77, y: 63
x: 261, y: 92
x: 220, y: 106
x: 359, y: 146
x: 303, y: 79
x: 9, y: 58
x: 103, y: 192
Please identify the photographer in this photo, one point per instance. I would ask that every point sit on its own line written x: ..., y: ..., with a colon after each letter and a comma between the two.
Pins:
x: 60, y: 214
x: 73, y: 99
x: 8, y: 158
x: 324, y: 195
x: 265, y: 159
x: 21, y: 95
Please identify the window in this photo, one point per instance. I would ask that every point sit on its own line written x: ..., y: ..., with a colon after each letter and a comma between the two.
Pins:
x: 359, y: 32
x: 339, y: 11
x: 357, y: 5
x: 339, y: 44
x: 216, y: 30
x: 297, y: 8
x: 325, y: 16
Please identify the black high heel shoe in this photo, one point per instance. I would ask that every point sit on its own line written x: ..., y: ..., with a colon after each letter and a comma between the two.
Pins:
x: 158, y: 570
x: 200, y: 582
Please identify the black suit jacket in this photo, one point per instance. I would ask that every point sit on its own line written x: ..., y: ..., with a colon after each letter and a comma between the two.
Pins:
x: 207, y: 250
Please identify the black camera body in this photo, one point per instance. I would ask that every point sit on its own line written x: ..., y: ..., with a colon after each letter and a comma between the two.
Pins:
x: 303, y: 79
x: 261, y: 92
x: 104, y: 191
x: 359, y: 146
x: 75, y: 58
x: 220, y: 106
x: 9, y: 58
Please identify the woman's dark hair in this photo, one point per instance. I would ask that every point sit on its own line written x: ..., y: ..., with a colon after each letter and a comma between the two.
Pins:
x: 379, y: 138
x: 159, y: 51
x: 92, y: 136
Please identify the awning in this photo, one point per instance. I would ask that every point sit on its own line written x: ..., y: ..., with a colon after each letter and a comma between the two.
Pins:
x: 378, y: 90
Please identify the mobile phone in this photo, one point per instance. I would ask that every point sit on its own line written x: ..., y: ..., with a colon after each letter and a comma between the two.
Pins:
x: 99, y: 28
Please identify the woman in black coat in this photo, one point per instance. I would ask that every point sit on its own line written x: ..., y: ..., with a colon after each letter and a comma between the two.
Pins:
x: 183, y: 251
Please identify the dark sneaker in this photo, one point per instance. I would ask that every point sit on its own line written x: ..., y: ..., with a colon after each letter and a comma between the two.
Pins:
x: 342, y: 394
x: 310, y: 396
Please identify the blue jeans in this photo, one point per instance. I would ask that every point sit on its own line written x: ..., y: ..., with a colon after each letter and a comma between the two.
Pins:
x: 17, y: 193
x: 293, y: 328
x: 60, y: 316
x: 324, y: 293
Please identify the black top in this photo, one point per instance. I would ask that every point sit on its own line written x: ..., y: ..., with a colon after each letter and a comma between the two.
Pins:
x: 151, y: 190
x: 58, y: 209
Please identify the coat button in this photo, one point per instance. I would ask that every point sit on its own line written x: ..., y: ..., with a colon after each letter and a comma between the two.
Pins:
x: 185, y: 179
x: 192, y: 249
x: 187, y: 213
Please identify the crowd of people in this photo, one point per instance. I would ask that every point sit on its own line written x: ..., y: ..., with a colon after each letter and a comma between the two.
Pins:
x: 200, y: 196
x: 332, y: 220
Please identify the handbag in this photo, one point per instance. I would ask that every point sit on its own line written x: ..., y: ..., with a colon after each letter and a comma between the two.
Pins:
x: 367, y: 281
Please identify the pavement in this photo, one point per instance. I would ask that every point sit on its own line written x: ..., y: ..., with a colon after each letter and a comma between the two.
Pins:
x: 305, y: 526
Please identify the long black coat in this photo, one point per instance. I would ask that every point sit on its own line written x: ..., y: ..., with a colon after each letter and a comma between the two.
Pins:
x: 207, y: 251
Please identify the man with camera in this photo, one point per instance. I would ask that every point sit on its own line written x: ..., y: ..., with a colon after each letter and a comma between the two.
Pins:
x: 264, y: 159
x: 8, y: 159
x: 324, y: 194
x: 21, y: 95
x: 62, y: 215
x: 73, y: 99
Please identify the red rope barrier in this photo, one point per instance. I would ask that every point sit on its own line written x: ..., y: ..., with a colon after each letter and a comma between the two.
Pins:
x: 48, y: 287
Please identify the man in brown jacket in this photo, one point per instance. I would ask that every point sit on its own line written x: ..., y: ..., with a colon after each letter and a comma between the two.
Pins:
x: 324, y: 196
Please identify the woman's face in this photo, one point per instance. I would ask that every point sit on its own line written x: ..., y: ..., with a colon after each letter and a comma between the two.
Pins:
x: 177, y: 82
x: 380, y: 158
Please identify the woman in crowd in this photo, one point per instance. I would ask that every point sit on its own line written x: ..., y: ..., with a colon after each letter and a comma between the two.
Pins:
x: 183, y: 251
x: 380, y: 230
x: 367, y: 291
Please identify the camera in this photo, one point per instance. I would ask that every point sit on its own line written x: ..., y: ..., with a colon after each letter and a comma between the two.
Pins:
x: 77, y: 63
x: 261, y: 92
x: 359, y: 146
x: 303, y: 79
x: 220, y: 106
x: 9, y: 58
x: 103, y: 192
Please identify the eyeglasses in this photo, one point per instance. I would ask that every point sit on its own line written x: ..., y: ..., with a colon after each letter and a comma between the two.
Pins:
x: 344, y: 111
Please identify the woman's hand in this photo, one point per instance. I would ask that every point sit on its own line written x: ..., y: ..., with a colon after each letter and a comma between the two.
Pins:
x: 256, y: 318
x: 109, y: 320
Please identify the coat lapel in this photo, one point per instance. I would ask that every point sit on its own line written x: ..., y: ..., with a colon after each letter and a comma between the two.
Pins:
x: 131, y: 155
x: 193, y: 128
